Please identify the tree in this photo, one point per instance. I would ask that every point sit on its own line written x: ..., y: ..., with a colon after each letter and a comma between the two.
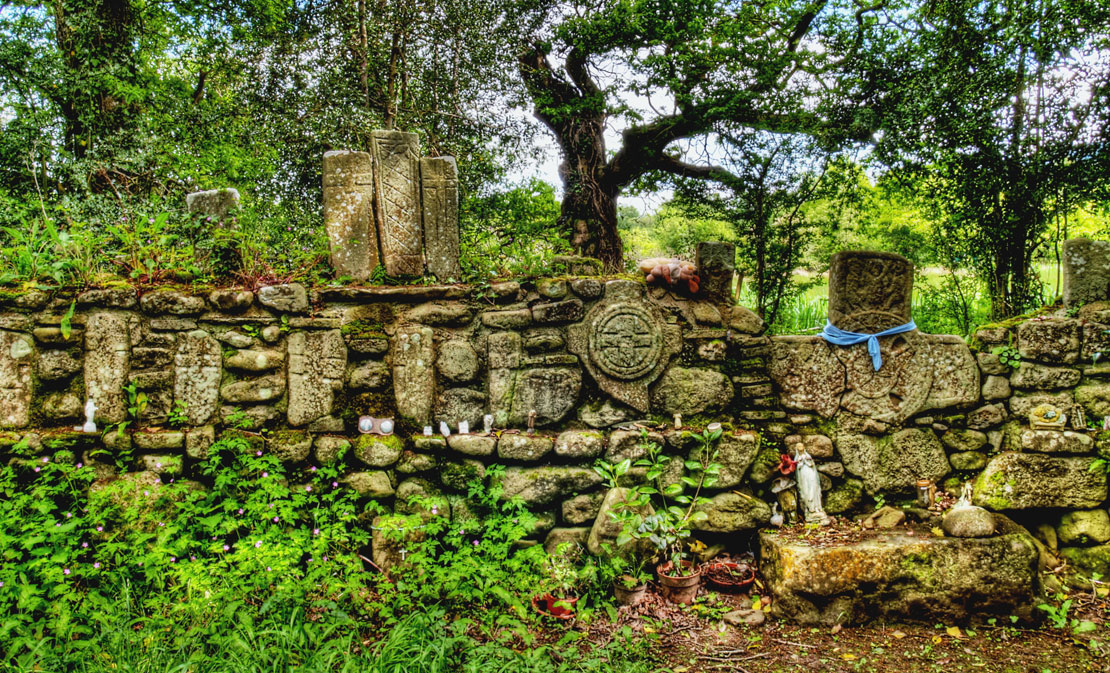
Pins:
x: 996, y: 112
x: 767, y: 181
x: 674, y: 73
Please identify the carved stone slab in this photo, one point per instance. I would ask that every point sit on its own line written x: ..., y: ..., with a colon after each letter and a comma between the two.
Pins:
x: 17, y: 355
x: 869, y: 291
x: 317, y: 364
x: 439, y: 191
x: 551, y: 391
x: 625, y: 343
x: 895, y: 392
x: 809, y: 376
x: 107, y: 363
x: 349, y: 214
x: 919, y: 372
x: 397, y: 194
x: 414, y: 373
x: 197, y: 364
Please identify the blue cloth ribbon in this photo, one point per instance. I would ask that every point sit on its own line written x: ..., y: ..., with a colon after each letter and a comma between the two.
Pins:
x: 839, y: 337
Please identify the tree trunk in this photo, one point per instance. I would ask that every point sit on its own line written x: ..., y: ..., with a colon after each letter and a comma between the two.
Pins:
x: 589, y: 212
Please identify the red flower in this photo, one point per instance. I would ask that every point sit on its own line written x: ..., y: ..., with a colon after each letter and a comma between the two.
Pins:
x: 786, y: 464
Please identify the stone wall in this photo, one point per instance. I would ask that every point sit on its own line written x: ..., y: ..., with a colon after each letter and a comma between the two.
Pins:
x: 589, y: 360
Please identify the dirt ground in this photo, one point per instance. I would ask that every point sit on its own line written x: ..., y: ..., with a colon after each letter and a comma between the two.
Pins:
x: 693, y: 640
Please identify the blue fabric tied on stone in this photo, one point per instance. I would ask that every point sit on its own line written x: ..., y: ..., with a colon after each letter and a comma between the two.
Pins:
x: 840, y: 337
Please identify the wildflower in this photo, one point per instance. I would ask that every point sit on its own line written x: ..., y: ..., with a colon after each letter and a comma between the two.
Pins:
x: 2, y: 584
x: 275, y: 519
x: 258, y: 544
x: 37, y: 469
x: 96, y: 565
x: 192, y: 558
x: 308, y: 489
x: 145, y: 492
x: 240, y: 510
x: 46, y: 460
x: 475, y: 543
x: 258, y: 453
x: 335, y: 484
x: 80, y: 465
x: 312, y: 469
x: 267, y: 568
x: 435, y: 510
x: 100, y: 529
x: 265, y: 474
x: 315, y: 531
x: 158, y: 465
x: 85, y: 545
x: 227, y: 547
x: 69, y: 515
x: 65, y: 571
x: 158, y: 480
x: 173, y: 559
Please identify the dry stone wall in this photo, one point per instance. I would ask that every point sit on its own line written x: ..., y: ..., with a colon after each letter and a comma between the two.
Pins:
x: 589, y: 362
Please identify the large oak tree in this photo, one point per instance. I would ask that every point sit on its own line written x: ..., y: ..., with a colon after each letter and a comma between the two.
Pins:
x: 672, y: 74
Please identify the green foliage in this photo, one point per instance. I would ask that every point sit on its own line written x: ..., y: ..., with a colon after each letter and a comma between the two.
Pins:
x: 1058, y: 616
x: 511, y: 233
x: 667, y: 528
x: 1008, y: 355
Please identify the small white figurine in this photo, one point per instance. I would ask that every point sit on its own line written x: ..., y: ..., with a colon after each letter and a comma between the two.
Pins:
x: 464, y: 427
x: 776, y: 515
x: 487, y: 422
x: 444, y: 429
x: 90, y: 410
x: 531, y: 421
x: 678, y: 421
x: 809, y: 486
x: 427, y: 431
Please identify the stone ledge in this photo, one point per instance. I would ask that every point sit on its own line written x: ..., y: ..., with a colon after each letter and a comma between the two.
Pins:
x: 893, y: 575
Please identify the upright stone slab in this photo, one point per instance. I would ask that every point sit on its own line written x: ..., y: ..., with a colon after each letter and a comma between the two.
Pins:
x: 317, y: 364
x: 869, y: 291
x: 439, y: 192
x: 197, y: 375
x: 348, y: 213
x: 1086, y: 271
x: 808, y: 374
x: 107, y: 364
x: 213, y: 202
x: 17, y: 356
x: 397, y: 194
x: 716, y: 263
x: 414, y: 373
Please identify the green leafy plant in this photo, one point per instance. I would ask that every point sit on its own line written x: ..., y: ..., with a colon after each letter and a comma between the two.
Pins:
x: 1008, y: 356
x: 179, y: 415
x: 670, y: 524
x: 1058, y: 616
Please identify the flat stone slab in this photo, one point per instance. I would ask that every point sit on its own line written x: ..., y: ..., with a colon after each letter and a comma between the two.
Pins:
x: 894, y: 575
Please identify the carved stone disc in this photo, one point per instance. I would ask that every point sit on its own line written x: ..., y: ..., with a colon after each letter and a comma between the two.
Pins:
x: 625, y: 341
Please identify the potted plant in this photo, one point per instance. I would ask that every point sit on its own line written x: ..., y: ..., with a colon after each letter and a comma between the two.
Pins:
x: 629, y: 577
x: 673, y: 512
x: 560, y: 588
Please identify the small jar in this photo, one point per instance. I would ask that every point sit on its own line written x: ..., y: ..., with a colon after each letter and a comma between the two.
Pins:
x: 925, y: 492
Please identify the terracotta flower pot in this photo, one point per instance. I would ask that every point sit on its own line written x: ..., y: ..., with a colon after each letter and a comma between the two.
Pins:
x: 628, y: 595
x: 679, y: 588
x: 728, y: 577
x: 556, y: 608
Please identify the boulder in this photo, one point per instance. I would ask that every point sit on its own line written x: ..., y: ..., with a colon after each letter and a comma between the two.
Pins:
x: 896, y: 576
x: 580, y: 444
x: 524, y: 447
x: 1084, y: 528
x: 606, y: 529
x: 544, y: 485
x: 379, y: 450
x: 968, y: 522
x: 731, y: 513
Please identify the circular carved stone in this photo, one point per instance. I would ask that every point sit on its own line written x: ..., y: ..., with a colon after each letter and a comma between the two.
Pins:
x: 625, y: 341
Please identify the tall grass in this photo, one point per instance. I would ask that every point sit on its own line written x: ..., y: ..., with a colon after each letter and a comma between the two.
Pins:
x: 252, y: 639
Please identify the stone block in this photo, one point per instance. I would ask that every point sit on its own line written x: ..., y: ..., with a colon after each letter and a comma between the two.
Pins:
x: 544, y: 485
x: 895, y: 576
x: 510, y: 319
x: 991, y: 364
x: 716, y: 264
x: 348, y: 213
x: 171, y: 302
x: 1056, y: 441
x: 1042, y: 377
x: 107, y: 364
x: 450, y: 315
x: 690, y: 390
x: 986, y: 416
x: 158, y: 440
x: 328, y: 448
x: 582, y: 508
x: 262, y: 389
x: 524, y: 447
x: 1054, y: 340
x: 473, y: 445
x: 587, y: 288
x: 217, y: 203
x: 372, y: 375
x: 255, y: 360
x: 1094, y: 397
x: 558, y: 537
x: 732, y: 513
x: 894, y: 462
x: 1022, y: 403
x: 378, y: 450
x: 439, y: 188
x: 963, y: 440
x: 869, y: 291
x: 287, y: 298
x: 17, y: 358
x: 197, y: 441
x: 580, y: 444
x: 996, y: 388
x: 231, y: 300
x: 966, y: 461
x: 460, y: 404
x: 457, y: 361
x: 1086, y: 271
x: 290, y: 446
x: 1029, y: 480
x: 570, y: 310
x: 413, y: 374
x: 373, y: 484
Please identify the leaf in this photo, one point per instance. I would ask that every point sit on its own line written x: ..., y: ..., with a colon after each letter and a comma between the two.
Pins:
x: 757, y: 604
x: 898, y: 635
x: 954, y: 631
x: 66, y: 324
x: 1084, y: 626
